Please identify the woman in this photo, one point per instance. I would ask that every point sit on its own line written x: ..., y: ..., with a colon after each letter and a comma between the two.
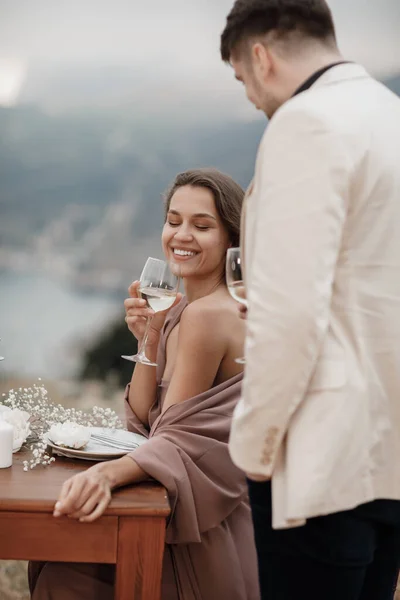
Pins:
x: 184, y: 407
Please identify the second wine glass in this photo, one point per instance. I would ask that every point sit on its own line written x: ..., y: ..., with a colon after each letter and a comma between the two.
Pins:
x: 235, y: 282
x: 159, y: 287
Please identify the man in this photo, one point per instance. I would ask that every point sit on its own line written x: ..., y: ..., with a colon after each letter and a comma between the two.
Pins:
x: 318, y: 426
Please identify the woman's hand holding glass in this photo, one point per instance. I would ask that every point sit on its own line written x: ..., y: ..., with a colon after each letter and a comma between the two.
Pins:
x: 158, y: 290
x: 137, y: 312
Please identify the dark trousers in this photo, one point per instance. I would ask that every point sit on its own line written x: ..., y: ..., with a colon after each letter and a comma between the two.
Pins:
x: 351, y: 555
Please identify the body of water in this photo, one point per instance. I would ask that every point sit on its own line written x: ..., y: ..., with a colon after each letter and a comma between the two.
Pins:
x: 44, y: 324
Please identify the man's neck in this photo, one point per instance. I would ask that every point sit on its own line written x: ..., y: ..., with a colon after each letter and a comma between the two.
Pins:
x: 302, y: 69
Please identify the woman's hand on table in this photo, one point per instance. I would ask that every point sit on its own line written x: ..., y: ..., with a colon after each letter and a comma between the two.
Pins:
x: 85, y: 496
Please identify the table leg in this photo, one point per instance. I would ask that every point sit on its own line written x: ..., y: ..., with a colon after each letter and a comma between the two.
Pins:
x: 139, y: 558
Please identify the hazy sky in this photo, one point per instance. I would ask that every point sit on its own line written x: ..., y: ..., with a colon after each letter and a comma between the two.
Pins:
x: 175, y: 39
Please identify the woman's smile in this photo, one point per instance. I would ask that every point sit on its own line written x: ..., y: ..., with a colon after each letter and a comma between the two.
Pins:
x: 181, y: 254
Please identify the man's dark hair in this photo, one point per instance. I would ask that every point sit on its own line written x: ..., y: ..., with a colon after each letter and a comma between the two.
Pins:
x: 254, y: 18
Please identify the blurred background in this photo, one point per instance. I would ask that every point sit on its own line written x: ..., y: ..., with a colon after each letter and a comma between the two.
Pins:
x: 101, y: 104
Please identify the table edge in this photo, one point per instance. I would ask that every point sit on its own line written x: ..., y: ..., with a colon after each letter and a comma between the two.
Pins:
x: 48, y: 507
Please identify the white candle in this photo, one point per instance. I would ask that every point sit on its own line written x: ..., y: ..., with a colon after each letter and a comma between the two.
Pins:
x: 6, y: 444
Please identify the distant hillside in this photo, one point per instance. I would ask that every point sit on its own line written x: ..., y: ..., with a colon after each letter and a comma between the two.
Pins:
x: 394, y: 84
x: 82, y: 191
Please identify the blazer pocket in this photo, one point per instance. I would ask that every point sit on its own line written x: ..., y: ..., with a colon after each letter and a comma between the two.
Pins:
x: 330, y: 374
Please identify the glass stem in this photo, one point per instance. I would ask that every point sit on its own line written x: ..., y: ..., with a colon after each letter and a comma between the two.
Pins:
x: 142, y: 348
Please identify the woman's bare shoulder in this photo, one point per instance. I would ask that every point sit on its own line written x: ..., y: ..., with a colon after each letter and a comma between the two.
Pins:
x: 213, y: 310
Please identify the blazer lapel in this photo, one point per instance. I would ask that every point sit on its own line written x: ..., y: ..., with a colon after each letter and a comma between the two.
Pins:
x: 243, y: 228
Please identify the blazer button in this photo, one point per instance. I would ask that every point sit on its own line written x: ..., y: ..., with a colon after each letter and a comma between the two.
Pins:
x: 269, y: 441
x: 266, y: 456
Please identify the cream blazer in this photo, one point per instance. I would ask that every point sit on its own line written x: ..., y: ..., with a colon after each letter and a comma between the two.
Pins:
x: 320, y: 411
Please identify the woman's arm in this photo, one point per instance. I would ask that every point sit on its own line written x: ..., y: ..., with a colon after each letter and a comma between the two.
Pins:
x: 143, y: 388
x: 142, y: 392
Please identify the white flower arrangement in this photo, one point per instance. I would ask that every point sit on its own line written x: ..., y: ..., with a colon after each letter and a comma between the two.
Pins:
x: 69, y: 435
x: 32, y: 415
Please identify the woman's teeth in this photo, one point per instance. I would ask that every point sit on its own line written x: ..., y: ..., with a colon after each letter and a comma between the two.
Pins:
x: 183, y: 252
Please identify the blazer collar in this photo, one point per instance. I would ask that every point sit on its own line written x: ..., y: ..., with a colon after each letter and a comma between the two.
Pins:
x: 342, y: 72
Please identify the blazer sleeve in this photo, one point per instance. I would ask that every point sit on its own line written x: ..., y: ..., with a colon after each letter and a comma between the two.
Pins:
x: 301, y: 207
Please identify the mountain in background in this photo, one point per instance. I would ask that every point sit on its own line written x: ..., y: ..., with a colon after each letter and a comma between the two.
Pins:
x: 81, y: 192
x: 394, y: 84
x: 80, y: 188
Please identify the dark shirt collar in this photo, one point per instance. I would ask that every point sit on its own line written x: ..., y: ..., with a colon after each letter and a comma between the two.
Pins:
x: 315, y: 76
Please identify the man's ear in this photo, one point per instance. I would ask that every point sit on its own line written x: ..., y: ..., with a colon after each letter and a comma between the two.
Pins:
x: 261, y: 59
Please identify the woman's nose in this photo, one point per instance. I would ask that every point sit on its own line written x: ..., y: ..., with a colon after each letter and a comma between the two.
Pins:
x: 183, y: 234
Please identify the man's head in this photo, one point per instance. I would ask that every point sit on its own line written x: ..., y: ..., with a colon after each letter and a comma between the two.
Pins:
x: 273, y: 45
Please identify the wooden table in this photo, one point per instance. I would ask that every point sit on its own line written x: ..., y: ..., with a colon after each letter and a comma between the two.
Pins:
x: 130, y: 534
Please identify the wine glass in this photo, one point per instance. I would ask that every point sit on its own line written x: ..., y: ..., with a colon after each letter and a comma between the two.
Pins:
x: 159, y: 287
x: 234, y: 281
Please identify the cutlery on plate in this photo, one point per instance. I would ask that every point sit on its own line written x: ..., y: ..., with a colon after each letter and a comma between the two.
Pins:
x: 104, y: 439
x: 115, y: 446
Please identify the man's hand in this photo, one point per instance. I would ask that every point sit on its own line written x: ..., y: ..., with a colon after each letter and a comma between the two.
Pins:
x: 242, y: 311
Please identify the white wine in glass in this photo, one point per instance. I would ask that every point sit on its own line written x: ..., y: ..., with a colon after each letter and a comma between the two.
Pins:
x: 159, y: 287
x: 234, y: 281
x: 157, y: 299
x: 238, y: 292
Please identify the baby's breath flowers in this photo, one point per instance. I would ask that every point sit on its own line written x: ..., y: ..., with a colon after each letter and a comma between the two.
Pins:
x: 44, y: 414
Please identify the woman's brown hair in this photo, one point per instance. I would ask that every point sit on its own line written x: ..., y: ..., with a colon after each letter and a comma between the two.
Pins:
x: 228, y: 196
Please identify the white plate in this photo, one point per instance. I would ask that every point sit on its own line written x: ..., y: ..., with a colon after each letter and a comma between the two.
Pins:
x: 95, y: 450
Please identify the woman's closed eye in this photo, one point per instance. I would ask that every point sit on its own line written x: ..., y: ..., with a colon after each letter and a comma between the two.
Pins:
x: 200, y: 227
